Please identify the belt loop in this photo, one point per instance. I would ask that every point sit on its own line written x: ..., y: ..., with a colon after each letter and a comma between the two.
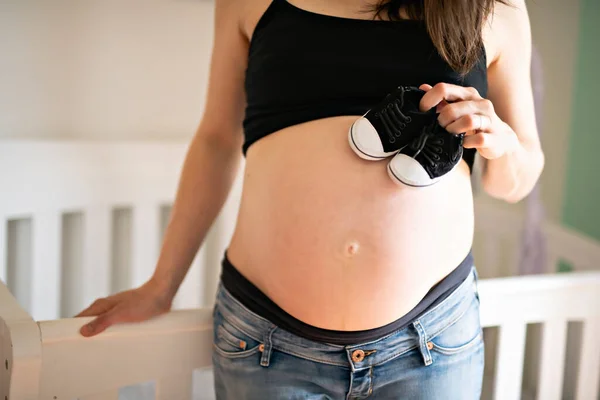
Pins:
x: 267, y: 346
x: 423, y: 345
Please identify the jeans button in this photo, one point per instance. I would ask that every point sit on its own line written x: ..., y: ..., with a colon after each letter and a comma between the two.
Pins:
x: 358, y: 355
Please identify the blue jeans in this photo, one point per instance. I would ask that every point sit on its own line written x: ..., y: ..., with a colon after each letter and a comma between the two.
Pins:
x: 439, y: 356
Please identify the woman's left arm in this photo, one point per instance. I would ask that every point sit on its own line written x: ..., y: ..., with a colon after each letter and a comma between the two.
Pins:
x: 502, y: 127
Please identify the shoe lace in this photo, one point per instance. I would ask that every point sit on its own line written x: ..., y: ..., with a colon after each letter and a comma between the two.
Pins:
x: 429, y: 146
x: 393, y: 119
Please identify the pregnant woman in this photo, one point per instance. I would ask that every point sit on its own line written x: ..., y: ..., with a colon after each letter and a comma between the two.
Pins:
x: 350, y: 273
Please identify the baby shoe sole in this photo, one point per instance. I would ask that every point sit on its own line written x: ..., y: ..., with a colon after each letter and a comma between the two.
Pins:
x: 362, y: 154
x: 398, y: 180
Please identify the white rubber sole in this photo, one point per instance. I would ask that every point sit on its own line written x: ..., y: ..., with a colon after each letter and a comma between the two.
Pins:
x: 400, y: 182
x: 362, y: 154
x: 394, y: 176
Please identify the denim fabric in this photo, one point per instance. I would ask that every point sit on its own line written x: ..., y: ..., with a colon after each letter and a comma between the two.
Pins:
x: 439, y: 356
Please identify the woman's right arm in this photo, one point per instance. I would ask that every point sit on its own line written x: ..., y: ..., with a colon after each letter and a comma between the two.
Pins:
x: 209, y: 169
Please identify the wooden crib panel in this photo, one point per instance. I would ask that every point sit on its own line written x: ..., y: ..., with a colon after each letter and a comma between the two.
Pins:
x: 20, y: 350
x: 552, y: 359
x: 6, y: 357
x: 45, y: 274
x: 173, y: 345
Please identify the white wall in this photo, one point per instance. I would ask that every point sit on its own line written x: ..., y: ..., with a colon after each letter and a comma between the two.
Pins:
x: 137, y: 69
x: 105, y: 69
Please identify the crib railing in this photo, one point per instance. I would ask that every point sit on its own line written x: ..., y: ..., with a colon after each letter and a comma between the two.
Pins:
x: 50, y: 360
x: 552, y: 300
x: 83, y: 220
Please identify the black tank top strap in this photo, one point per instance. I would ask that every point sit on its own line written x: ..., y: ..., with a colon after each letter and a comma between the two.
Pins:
x: 267, y: 15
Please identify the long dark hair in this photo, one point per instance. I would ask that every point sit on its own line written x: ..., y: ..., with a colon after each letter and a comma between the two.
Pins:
x: 455, y: 26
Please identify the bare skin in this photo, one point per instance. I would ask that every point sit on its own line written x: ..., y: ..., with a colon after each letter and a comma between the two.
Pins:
x: 328, y: 236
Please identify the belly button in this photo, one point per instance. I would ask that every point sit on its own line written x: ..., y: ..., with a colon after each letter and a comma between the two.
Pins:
x: 352, y: 248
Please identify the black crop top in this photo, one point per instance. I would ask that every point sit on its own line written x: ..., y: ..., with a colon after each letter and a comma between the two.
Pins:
x: 304, y: 66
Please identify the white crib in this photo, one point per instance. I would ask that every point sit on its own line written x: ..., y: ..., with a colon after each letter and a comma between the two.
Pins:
x: 83, y: 220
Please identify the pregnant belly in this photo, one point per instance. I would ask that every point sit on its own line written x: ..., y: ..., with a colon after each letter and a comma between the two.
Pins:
x: 333, y: 241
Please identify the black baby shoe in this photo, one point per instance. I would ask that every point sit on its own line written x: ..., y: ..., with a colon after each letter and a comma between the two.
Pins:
x: 389, y: 126
x: 428, y: 157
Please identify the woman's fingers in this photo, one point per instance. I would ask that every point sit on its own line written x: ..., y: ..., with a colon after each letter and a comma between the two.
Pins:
x: 455, y: 111
x: 476, y: 111
x: 470, y: 124
x: 98, y: 307
x: 449, y: 93
x: 489, y: 145
x: 425, y: 87
x: 477, y: 140
x: 101, y: 323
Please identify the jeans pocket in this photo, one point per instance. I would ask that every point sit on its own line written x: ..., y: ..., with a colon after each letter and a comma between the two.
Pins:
x: 232, y: 342
x: 460, y: 348
x: 461, y: 334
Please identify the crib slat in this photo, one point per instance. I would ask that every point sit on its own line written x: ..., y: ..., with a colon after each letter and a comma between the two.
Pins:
x: 45, y: 266
x: 174, y: 387
x: 589, y: 361
x: 145, y: 242
x: 509, y: 361
x: 553, y: 349
x: 3, y: 250
x: 109, y: 395
x: 96, y: 263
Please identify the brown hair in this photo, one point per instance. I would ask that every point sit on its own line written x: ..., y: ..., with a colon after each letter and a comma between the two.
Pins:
x: 455, y: 26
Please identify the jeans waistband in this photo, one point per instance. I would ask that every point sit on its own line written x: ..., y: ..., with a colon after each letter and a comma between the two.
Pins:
x: 428, y: 325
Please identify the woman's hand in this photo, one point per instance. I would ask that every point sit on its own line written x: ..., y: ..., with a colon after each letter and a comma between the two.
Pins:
x: 463, y: 110
x: 135, y: 305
